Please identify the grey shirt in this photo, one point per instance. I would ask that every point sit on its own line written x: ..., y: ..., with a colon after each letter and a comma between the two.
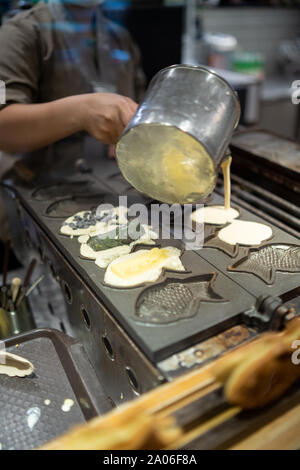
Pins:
x: 46, y: 55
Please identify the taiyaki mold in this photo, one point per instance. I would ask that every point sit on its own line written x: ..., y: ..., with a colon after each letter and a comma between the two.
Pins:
x: 66, y: 207
x: 155, y: 340
x: 176, y: 299
x: 211, y: 240
x: 265, y: 261
x: 61, y: 189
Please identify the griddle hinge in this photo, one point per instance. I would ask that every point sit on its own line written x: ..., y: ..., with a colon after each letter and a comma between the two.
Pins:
x: 269, y: 313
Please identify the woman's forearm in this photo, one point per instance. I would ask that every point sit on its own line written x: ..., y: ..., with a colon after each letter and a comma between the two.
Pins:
x: 27, y: 127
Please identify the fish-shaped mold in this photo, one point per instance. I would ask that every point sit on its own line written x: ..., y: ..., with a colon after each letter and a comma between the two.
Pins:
x: 215, y: 242
x: 265, y: 261
x: 211, y: 240
x: 61, y: 189
x: 66, y: 207
x: 175, y: 299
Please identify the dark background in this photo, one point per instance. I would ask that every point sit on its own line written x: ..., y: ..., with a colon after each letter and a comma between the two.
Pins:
x: 156, y: 29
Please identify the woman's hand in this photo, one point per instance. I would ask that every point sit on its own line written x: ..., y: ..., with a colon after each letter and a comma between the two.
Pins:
x: 105, y: 115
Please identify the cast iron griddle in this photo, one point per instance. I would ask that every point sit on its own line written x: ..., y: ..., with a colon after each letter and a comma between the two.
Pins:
x: 62, y: 371
x: 160, y: 339
x: 157, y: 340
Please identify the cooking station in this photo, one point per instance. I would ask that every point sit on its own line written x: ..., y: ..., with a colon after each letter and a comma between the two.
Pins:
x: 149, y: 227
x: 227, y: 295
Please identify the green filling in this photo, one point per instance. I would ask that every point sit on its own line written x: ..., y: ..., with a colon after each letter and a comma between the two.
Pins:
x: 100, y: 244
x: 119, y: 237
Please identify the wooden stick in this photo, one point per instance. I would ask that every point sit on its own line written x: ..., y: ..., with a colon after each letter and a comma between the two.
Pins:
x: 33, y: 286
x: 29, y: 272
x: 3, y: 296
x: 5, y: 262
x: 281, y: 434
x: 23, y: 289
x: 15, y: 286
x: 205, y: 427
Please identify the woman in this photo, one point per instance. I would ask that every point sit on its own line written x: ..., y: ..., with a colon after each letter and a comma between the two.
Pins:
x: 72, y: 81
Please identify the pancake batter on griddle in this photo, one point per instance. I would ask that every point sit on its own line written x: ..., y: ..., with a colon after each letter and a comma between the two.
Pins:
x: 244, y: 232
x: 238, y: 231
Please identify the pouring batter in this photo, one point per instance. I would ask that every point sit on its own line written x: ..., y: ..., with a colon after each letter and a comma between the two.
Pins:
x: 227, y: 183
x: 238, y: 231
x: 219, y: 215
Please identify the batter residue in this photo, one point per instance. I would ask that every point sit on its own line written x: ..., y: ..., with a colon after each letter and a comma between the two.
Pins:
x: 15, y: 366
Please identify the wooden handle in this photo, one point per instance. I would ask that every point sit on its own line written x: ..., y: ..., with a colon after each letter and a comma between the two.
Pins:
x: 147, y: 421
x: 259, y: 373
x: 135, y: 432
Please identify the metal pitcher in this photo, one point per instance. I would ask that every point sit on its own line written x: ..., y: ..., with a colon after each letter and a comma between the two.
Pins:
x: 173, y: 147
